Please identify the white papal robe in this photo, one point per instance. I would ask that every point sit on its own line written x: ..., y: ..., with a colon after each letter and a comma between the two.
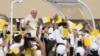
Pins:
x: 32, y: 26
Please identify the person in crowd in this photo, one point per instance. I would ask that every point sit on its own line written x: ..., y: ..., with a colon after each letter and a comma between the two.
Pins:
x: 80, y: 51
x: 30, y: 22
x: 2, y: 45
x: 61, y: 44
x: 44, y: 35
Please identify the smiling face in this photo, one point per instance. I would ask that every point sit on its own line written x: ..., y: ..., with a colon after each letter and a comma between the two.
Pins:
x: 34, y: 13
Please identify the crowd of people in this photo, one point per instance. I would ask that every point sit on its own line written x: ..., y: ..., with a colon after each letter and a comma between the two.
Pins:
x: 34, y: 36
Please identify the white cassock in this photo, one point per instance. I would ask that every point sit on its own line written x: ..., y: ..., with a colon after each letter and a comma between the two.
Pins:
x: 1, y: 52
x: 80, y: 50
x: 51, y: 34
x: 1, y: 48
x: 76, y: 40
x: 61, y: 49
x: 99, y: 50
x: 73, y: 41
x: 98, y: 41
x: 32, y: 27
x: 38, y: 53
x: 17, y: 45
x: 94, y: 45
x: 60, y: 28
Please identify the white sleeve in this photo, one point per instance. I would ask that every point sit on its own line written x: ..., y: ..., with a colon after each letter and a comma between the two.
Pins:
x: 68, y: 21
x: 24, y: 21
x: 57, y: 36
x: 98, y: 39
x: 50, y: 30
x: 71, y: 39
x: 21, y: 42
x: 56, y: 32
x: 60, y: 29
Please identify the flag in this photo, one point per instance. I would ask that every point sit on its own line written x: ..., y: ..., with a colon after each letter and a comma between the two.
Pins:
x: 65, y: 32
x: 46, y: 19
x: 79, y: 26
x: 14, y: 50
x: 72, y: 25
x: 87, y: 41
x: 59, y: 19
x: 2, y: 23
x: 27, y: 51
x: 94, y: 32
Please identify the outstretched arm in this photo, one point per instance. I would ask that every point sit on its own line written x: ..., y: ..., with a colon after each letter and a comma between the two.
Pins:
x: 42, y: 46
x: 88, y: 26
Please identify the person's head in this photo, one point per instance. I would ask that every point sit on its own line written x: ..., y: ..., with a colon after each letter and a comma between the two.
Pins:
x: 45, y: 29
x: 79, y: 43
x: 17, y: 38
x: 78, y: 54
x: 28, y: 34
x: 10, y: 54
x: 34, y: 13
x: 1, y: 34
x: 86, y: 31
x: 94, y: 53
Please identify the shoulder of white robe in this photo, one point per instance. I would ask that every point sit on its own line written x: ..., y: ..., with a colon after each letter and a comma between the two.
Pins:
x: 28, y: 17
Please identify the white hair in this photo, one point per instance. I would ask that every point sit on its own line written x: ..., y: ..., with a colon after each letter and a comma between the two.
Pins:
x: 34, y: 10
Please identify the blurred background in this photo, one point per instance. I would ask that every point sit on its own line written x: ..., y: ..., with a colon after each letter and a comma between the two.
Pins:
x: 70, y: 8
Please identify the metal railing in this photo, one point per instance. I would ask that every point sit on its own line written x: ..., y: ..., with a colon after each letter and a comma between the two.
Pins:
x: 63, y: 1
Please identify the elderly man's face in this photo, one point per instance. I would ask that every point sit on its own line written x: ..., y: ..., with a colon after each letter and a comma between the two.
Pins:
x: 34, y: 13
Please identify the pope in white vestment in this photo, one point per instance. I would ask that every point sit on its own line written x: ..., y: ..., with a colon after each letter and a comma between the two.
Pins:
x: 30, y: 23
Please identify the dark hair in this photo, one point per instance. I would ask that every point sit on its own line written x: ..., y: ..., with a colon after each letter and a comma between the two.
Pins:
x: 71, y: 51
x: 18, y: 26
x: 10, y: 54
x: 8, y: 32
x: 86, y: 31
x: 80, y: 43
x: 23, y: 29
x: 29, y: 34
x: 17, y: 38
x: 94, y: 53
x: 1, y: 35
x: 62, y: 24
x: 77, y: 54
x: 44, y: 28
